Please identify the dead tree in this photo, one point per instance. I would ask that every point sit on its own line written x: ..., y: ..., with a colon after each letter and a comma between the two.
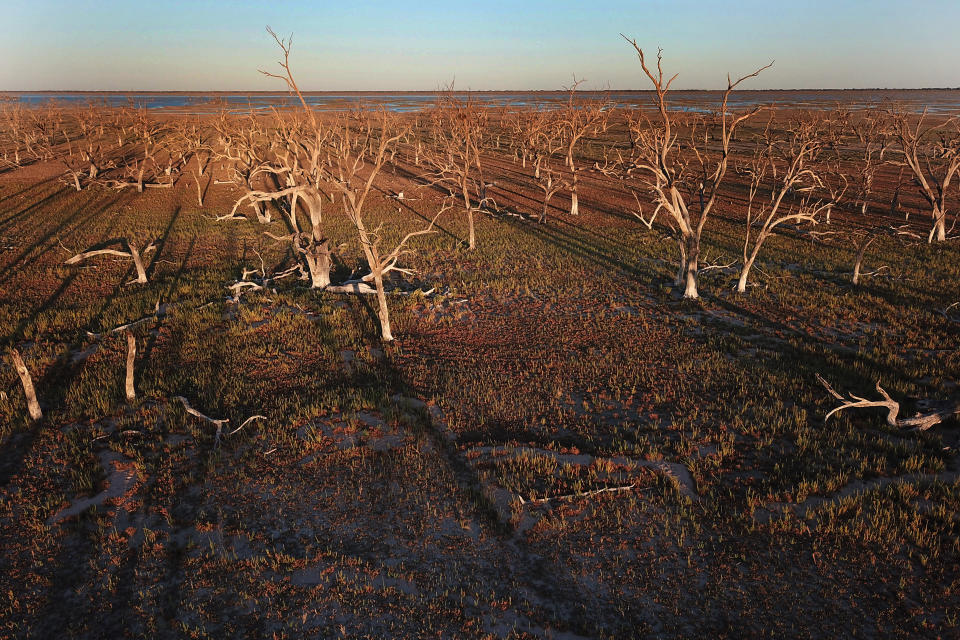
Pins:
x: 545, y: 140
x: 686, y: 199
x: 127, y: 250
x: 354, y: 191
x: 932, y: 153
x: 785, y: 170
x: 33, y: 407
x: 550, y: 189
x: 293, y: 169
x: 243, y: 147
x: 454, y: 158
x: 577, y: 119
x: 12, y: 126
x: 919, y: 422
x: 358, y: 147
x: 871, y: 129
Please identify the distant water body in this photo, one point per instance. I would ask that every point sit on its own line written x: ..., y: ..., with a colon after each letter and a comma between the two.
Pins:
x: 941, y: 101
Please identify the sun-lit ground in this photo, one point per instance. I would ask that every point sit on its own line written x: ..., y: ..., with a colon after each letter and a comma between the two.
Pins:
x: 557, y: 444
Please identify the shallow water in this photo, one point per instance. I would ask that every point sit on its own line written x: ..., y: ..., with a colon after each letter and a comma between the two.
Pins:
x: 934, y: 100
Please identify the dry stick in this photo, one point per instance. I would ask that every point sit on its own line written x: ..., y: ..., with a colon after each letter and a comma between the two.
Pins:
x: 862, y: 246
x: 214, y: 421
x: 131, y: 356
x: 32, y: 406
x: 573, y: 496
x: 159, y: 312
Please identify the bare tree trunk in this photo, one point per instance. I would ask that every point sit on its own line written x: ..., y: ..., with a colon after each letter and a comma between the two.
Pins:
x: 383, y: 313
x: 138, y: 264
x: 319, y: 263
x: 33, y: 407
x: 574, y: 203
x: 473, y: 236
x: 131, y: 357
x: 693, y: 254
x: 744, y: 273
x: 683, y: 262
x: 939, y: 229
x: 263, y: 213
x: 199, y: 189
x: 748, y: 264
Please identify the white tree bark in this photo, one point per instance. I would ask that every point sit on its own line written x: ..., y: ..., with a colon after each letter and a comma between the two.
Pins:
x: 33, y: 407
x: 131, y: 357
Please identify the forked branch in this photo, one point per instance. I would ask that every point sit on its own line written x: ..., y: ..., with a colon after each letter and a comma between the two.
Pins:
x: 217, y: 422
x: 127, y: 251
x: 919, y: 422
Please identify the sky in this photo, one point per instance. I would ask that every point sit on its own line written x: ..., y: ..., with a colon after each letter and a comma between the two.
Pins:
x: 202, y: 45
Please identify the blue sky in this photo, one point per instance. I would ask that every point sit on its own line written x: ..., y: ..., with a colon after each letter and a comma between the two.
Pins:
x: 343, y: 45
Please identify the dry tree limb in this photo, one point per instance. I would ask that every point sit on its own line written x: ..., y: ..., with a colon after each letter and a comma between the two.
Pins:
x: 919, y: 422
x: 246, y: 422
x: 861, y: 244
x: 214, y: 421
x: 159, y: 311
x: 131, y: 357
x: 128, y: 251
x: 32, y: 405
x: 946, y: 312
x: 574, y: 496
x: 243, y: 285
x: 356, y: 286
x: 719, y: 267
x: 218, y: 422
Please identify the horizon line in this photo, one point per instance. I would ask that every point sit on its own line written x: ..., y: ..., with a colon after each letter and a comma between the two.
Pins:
x: 458, y: 91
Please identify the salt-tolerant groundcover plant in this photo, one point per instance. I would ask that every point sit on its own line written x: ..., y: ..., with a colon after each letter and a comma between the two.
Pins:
x: 364, y: 373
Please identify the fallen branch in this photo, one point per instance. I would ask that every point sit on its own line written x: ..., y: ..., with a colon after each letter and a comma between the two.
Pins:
x: 919, y: 422
x: 128, y: 251
x: 159, y: 311
x: 719, y: 267
x: 218, y: 422
x: 946, y: 313
x: 33, y: 407
x: 579, y: 494
x: 358, y: 287
x: 131, y: 357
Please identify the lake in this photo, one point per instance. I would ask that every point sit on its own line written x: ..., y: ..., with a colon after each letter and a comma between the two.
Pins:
x: 941, y: 101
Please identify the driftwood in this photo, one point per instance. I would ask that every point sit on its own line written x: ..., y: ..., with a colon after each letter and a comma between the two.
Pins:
x: 127, y: 251
x: 33, y: 407
x: 919, y: 422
